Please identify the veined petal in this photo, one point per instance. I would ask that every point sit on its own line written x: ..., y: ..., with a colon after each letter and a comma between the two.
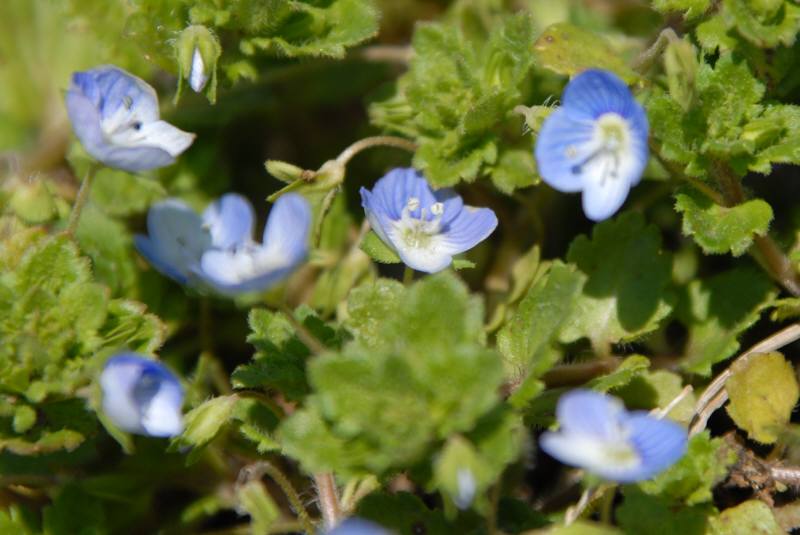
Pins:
x: 392, y: 192
x: 470, y: 227
x: 176, y: 239
x: 287, y: 229
x: 378, y: 218
x: 230, y: 220
x: 659, y: 442
x: 157, y: 134
x: 595, y: 92
x: 563, y: 143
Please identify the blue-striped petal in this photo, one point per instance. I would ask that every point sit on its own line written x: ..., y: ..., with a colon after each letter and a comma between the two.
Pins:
x: 660, y: 443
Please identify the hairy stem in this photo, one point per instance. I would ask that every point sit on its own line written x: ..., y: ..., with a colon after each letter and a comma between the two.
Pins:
x: 257, y: 470
x: 328, y: 500
x: 375, y: 141
x: 80, y: 200
x: 646, y: 59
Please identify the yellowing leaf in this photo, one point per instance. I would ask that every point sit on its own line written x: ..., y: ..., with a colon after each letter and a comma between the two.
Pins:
x: 763, y: 391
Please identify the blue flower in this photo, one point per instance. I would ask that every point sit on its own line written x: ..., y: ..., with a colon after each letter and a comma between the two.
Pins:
x: 142, y: 396
x: 115, y: 115
x: 217, y: 251
x: 358, y: 526
x: 596, y: 142
x: 425, y: 228
x: 598, y: 434
x: 250, y: 266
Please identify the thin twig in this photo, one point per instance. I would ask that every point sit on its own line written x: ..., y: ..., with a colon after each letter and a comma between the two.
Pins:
x: 375, y: 141
x: 661, y: 413
x: 401, y: 54
x: 715, y: 394
x: 642, y: 63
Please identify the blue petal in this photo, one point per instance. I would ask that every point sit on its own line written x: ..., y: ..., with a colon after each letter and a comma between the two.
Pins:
x: 594, y: 92
x: 222, y: 271
x: 357, y: 526
x: 602, y: 198
x: 230, y: 221
x: 587, y: 412
x: 391, y: 193
x: 288, y: 226
x: 97, y: 95
x: 562, y: 144
x: 470, y: 227
x: 176, y: 239
x: 141, y: 395
x: 659, y: 442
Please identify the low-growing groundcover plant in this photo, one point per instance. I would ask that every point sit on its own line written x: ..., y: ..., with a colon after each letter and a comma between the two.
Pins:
x: 365, y: 267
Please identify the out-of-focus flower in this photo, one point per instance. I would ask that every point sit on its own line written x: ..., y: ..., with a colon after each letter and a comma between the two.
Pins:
x: 217, y: 250
x: 252, y: 266
x: 425, y: 228
x: 598, y: 434
x: 596, y: 142
x: 115, y: 116
x: 142, y: 396
x: 467, y: 487
x: 358, y: 526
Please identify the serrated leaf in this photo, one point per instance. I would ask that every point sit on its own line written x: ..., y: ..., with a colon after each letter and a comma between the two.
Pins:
x: 515, y: 169
x: 763, y: 392
x: 567, y: 49
x: 368, y: 307
x: 717, y: 310
x: 626, y: 292
x: 691, y: 479
x: 377, y: 250
x: 764, y: 28
x: 719, y: 229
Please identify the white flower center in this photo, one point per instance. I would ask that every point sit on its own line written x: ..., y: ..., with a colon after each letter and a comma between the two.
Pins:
x: 416, y: 232
x: 610, y: 142
x: 124, y: 127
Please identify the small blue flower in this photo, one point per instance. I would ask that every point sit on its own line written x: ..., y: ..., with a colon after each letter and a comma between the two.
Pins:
x: 358, y: 526
x: 598, y: 434
x: 115, y: 115
x: 142, y: 396
x: 425, y: 228
x: 596, y: 142
x: 217, y: 250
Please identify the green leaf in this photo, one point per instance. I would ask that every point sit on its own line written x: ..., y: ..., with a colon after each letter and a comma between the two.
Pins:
x: 718, y: 229
x: 630, y: 368
x: 768, y: 28
x: 380, y: 402
x: 763, y: 391
x: 652, y: 390
x: 205, y: 421
x: 717, y: 310
x: 404, y: 513
x: 527, y: 339
x: 581, y: 527
x: 457, y: 97
x: 752, y: 516
x: 691, y: 479
x: 567, y: 49
x: 377, y: 250
x: 639, y: 512
x: 690, y: 8
x: 626, y: 293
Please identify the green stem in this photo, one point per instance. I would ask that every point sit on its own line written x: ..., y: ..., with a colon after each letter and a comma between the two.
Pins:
x: 327, y: 202
x: 305, y: 336
x: 288, y: 489
x: 408, y: 276
x: 80, y: 199
x: 375, y: 141
x: 646, y: 59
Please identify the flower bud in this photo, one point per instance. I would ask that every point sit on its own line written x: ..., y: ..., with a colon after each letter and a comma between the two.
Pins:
x: 197, y: 52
